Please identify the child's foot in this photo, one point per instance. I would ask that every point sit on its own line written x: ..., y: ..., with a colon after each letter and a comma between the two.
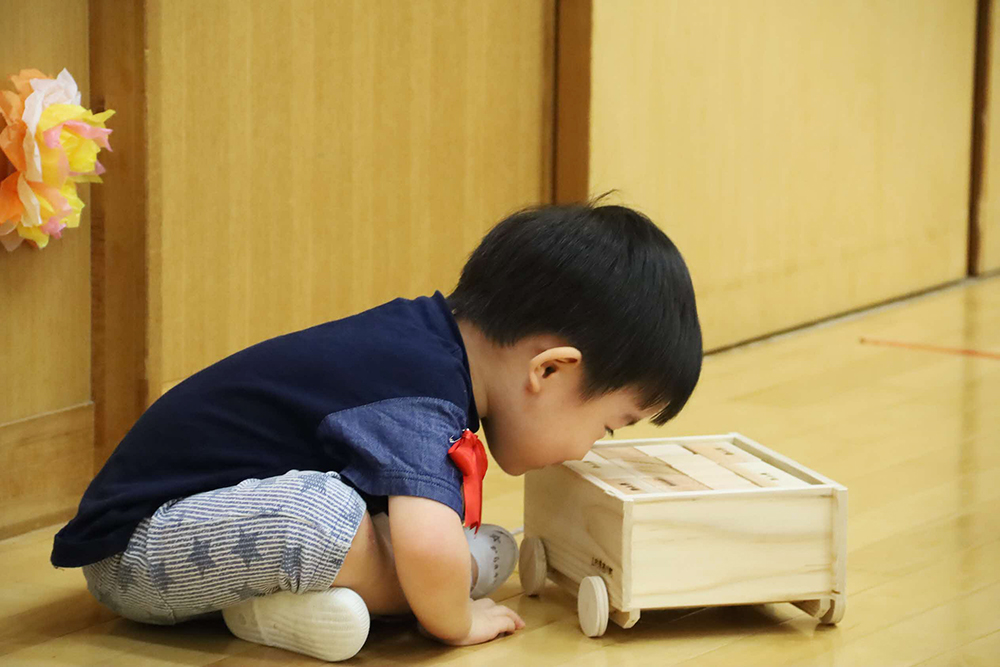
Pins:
x: 495, y: 552
x: 330, y: 625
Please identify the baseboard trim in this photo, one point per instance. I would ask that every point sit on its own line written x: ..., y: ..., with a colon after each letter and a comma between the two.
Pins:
x: 46, y: 463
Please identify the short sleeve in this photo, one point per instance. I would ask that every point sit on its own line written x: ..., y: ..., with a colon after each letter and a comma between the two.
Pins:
x: 399, y: 447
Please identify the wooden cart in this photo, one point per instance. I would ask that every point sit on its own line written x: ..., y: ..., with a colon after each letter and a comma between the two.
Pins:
x: 685, y: 522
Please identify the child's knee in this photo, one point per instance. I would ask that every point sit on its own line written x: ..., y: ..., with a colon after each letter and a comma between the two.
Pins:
x: 123, y: 590
x: 369, y: 569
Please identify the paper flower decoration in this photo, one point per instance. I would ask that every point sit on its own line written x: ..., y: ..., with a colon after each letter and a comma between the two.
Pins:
x: 53, y: 143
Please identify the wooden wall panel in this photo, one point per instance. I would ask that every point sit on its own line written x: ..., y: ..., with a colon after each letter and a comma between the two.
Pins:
x: 807, y: 158
x: 45, y: 306
x: 118, y: 64
x: 988, y: 219
x: 46, y: 463
x: 309, y: 159
x: 45, y: 294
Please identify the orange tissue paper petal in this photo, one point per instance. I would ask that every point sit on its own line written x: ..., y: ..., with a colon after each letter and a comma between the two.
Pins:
x: 10, y: 204
x: 11, y: 106
x: 51, y: 150
x: 12, y: 144
x: 22, y: 80
x: 49, y: 198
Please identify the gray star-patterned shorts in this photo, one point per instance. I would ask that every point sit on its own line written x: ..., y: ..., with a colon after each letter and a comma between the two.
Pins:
x: 203, y: 553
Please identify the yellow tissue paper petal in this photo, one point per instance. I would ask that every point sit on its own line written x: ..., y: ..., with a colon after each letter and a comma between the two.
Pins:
x: 99, y: 118
x: 69, y: 192
x: 33, y: 234
x: 53, y: 171
x: 59, y: 113
x: 10, y: 203
x: 46, y: 208
x: 82, y: 153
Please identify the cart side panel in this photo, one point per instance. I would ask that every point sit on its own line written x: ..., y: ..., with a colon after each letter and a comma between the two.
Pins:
x: 581, y: 526
x: 734, y: 550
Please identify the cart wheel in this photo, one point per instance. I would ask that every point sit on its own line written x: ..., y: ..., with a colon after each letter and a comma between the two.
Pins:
x: 836, y: 611
x: 592, y: 606
x: 829, y: 611
x: 532, y: 566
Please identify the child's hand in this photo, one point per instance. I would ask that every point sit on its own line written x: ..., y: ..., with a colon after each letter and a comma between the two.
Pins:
x: 435, y: 573
x: 489, y: 621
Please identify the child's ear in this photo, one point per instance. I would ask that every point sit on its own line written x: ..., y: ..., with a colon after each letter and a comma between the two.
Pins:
x: 549, y: 362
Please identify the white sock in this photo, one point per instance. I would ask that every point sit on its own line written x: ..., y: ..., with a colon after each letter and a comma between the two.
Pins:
x: 330, y: 625
x: 495, y: 552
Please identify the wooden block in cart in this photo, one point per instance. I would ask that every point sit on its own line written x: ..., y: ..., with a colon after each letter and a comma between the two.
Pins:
x: 685, y: 522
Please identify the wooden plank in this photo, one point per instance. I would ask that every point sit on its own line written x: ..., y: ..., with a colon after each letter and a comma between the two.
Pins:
x: 403, y: 131
x: 765, y: 474
x: 710, y: 474
x: 572, y: 128
x: 984, y: 241
x: 625, y: 619
x: 721, y: 451
x: 754, y: 463
x: 118, y: 255
x: 811, y: 491
x: 781, y: 461
x: 45, y: 294
x: 46, y: 463
x: 665, y: 450
x: 718, y: 549
x: 827, y: 143
x: 838, y: 598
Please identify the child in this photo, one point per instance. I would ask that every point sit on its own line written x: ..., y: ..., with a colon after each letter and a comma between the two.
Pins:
x: 258, y: 485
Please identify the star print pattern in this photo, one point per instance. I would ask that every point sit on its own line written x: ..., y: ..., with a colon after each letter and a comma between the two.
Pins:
x: 219, y: 548
x: 200, y: 556
x: 126, y: 577
x: 291, y: 563
x: 246, y: 547
x: 159, y: 577
x: 315, y: 482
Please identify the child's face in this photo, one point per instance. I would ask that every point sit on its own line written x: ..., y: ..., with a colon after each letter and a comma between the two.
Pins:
x: 533, y: 429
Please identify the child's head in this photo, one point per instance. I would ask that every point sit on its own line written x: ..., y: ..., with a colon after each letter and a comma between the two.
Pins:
x: 582, y: 318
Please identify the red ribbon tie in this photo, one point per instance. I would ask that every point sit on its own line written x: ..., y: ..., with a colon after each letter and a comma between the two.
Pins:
x: 469, y: 457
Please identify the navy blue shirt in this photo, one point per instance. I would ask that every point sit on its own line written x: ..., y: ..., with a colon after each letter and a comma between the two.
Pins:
x: 378, y: 397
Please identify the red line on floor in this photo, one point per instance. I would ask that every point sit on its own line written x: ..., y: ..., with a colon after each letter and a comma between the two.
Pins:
x: 932, y: 348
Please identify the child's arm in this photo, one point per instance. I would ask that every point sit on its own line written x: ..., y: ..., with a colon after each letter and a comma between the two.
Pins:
x: 433, y: 564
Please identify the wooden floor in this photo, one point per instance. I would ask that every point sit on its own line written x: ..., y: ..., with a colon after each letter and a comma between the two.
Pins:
x: 914, y: 434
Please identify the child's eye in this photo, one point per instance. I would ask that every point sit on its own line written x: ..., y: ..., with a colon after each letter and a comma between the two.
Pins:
x: 609, y: 431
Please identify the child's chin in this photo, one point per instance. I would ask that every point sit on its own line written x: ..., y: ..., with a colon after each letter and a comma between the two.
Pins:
x: 512, y: 468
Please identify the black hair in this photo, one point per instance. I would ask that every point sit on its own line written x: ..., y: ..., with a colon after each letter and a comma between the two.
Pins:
x: 607, y: 280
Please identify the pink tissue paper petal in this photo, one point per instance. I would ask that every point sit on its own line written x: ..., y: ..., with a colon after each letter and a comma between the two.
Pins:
x: 87, y: 131
x: 56, y: 200
x: 53, y: 227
